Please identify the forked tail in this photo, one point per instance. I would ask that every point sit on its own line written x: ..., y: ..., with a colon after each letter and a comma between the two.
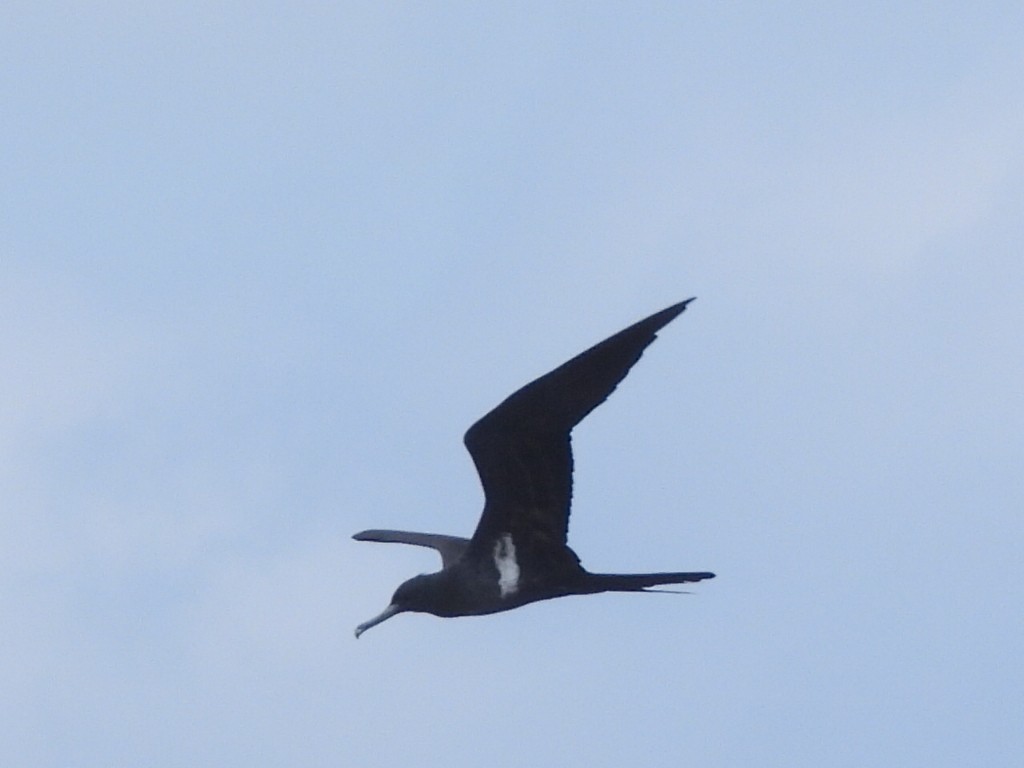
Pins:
x: 637, y: 582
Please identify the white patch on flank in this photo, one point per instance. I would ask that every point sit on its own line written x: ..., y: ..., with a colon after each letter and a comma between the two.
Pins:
x: 505, y: 562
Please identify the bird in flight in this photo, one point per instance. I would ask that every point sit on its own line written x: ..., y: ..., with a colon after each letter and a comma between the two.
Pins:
x: 522, y: 452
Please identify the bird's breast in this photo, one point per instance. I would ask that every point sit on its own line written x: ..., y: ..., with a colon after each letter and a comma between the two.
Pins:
x: 507, y: 565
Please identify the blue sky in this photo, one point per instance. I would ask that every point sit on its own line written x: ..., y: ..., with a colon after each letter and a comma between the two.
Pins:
x: 262, y: 264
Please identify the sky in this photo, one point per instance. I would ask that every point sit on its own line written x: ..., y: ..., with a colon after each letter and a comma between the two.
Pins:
x: 261, y: 265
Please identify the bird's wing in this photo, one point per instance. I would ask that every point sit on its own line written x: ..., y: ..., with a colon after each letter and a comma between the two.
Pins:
x: 449, y: 547
x: 522, y: 448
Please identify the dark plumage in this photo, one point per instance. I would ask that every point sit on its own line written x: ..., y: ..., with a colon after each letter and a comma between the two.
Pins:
x: 518, y: 553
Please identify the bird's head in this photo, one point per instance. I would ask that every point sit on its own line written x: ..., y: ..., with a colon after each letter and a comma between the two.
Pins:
x: 413, y: 595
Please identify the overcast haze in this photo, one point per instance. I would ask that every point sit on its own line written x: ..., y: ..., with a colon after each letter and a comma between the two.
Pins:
x: 263, y: 264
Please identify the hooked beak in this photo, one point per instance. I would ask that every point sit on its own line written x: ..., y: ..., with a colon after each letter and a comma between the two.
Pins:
x: 387, y: 613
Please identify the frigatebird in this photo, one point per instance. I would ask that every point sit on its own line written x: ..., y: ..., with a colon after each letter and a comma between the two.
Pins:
x: 522, y: 452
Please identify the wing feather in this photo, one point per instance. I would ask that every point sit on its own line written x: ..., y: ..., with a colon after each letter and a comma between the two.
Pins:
x: 450, y: 548
x: 522, y: 448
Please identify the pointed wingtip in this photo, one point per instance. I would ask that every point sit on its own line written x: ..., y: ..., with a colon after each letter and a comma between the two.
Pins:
x: 676, y: 309
x: 659, y: 320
